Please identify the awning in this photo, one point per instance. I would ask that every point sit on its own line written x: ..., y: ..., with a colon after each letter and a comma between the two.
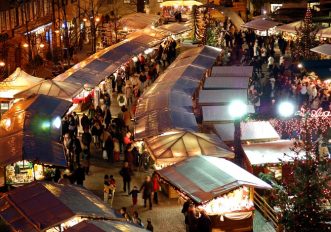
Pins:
x: 226, y: 83
x: 324, y: 33
x: 250, y: 131
x: 219, y: 114
x: 100, y: 65
x: 232, y: 71
x: 161, y: 121
x: 33, y: 208
x: 180, y: 3
x: 261, y: 24
x: 105, y: 226
x: 17, y: 82
x: 30, y: 130
x: 321, y: 67
x: 80, y: 201
x: 174, y: 28
x: 138, y: 21
x: 39, y: 206
x: 158, y: 113
x: 290, y: 27
x: 203, y: 178
x: 270, y: 152
x: 59, y: 89
x: 222, y: 97
x: 324, y: 49
x: 179, y: 145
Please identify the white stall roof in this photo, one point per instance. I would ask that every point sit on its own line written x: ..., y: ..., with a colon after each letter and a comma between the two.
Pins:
x: 232, y: 71
x: 261, y: 24
x: 179, y: 145
x: 324, y: 49
x: 219, y: 114
x: 324, y: 33
x: 226, y: 83
x: 290, y: 27
x: 221, y: 97
x: 270, y: 152
x: 250, y: 131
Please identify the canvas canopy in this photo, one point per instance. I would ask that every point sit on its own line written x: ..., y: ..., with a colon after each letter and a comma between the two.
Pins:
x: 166, y: 105
x: 203, y: 178
x: 33, y: 208
x: 105, y: 226
x: 179, y: 145
x: 250, y: 131
x: 17, y: 82
x: 39, y: 206
x: 222, y: 97
x: 290, y: 27
x: 324, y: 49
x: 100, y: 65
x: 174, y: 28
x: 80, y: 201
x: 139, y: 20
x: 270, y: 152
x: 232, y: 71
x: 220, y: 114
x: 180, y: 3
x: 59, y: 89
x: 261, y: 24
x: 30, y: 131
x: 226, y: 83
x: 324, y: 33
x: 157, y: 122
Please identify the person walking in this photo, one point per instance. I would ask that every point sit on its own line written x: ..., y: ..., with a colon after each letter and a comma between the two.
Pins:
x: 147, y: 186
x: 134, y: 193
x: 79, y: 175
x: 156, y: 188
x: 126, y: 173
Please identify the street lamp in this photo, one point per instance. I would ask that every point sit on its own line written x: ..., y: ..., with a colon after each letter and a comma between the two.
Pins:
x: 2, y: 64
x: 286, y: 109
x: 237, y: 109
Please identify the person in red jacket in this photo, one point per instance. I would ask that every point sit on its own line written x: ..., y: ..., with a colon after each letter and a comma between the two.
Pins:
x: 156, y: 187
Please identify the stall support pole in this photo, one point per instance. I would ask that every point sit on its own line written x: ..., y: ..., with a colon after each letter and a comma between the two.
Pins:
x: 238, y: 150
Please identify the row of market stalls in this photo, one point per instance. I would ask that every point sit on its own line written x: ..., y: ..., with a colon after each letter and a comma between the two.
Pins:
x: 266, y: 26
x: 189, y: 162
x: 51, y: 207
x: 30, y: 129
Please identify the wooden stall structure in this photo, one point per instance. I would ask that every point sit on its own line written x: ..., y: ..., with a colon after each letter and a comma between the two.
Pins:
x: 218, y: 186
x: 29, y: 137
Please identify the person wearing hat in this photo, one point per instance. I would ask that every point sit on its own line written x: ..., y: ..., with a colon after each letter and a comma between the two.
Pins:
x: 149, y: 226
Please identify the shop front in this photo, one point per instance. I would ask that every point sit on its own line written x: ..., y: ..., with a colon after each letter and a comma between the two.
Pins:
x: 224, y: 190
x: 29, y: 133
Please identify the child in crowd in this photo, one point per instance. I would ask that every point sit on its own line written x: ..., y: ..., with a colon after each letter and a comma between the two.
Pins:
x: 134, y: 194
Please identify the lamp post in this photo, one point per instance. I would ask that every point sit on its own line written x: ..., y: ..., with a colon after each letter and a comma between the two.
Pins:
x: 237, y: 110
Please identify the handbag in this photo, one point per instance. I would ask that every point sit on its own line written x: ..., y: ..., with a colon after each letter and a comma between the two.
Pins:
x: 104, y: 154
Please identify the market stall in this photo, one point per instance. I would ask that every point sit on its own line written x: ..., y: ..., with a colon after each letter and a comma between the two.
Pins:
x: 321, y: 68
x: 232, y: 71
x: 219, y: 114
x: 29, y: 133
x: 138, y: 21
x: 171, y: 9
x: 56, y: 207
x: 176, y: 146
x: 105, y: 226
x: 324, y: 49
x: 290, y: 27
x: 263, y: 26
x: 266, y: 158
x: 15, y: 83
x: 59, y: 89
x: 216, y: 82
x: 221, y: 97
x: 253, y: 131
x: 219, y: 186
x: 324, y: 33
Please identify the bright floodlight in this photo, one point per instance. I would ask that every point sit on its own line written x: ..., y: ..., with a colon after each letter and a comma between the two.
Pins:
x: 286, y: 109
x: 57, y: 123
x: 237, y: 109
